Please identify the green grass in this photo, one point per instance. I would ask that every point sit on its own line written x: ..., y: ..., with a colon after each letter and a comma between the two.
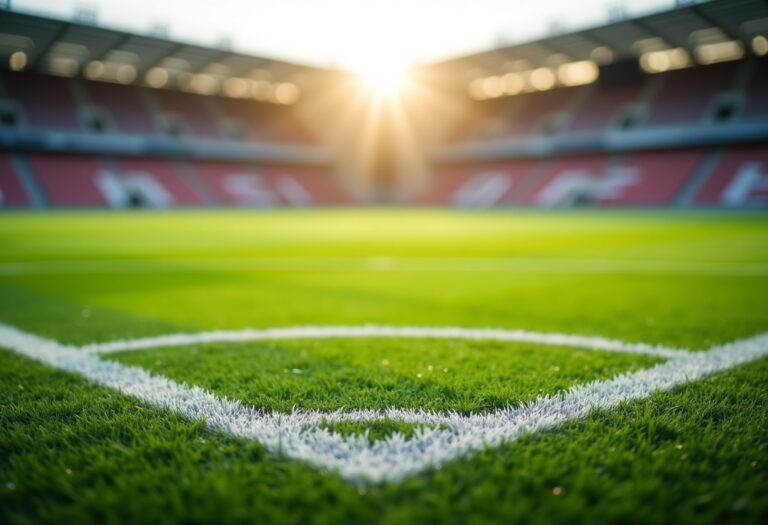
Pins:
x: 74, y: 452
x: 463, y: 376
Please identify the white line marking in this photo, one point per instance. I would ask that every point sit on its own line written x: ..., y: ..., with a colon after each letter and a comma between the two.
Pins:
x: 376, y: 331
x: 298, y: 435
x: 392, y: 264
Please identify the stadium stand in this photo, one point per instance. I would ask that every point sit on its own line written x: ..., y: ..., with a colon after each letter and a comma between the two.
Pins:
x: 12, y: 192
x: 68, y: 180
x: 650, y: 178
x: 262, y: 122
x: 602, y: 110
x: 757, y: 102
x: 243, y: 185
x: 46, y: 102
x: 738, y: 179
x: 126, y: 110
x: 187, y: 114
x: 480, y: 185
x: 567, y: 181
x: 157, y: 183
x: 677, y: 103
x: 613, y: 115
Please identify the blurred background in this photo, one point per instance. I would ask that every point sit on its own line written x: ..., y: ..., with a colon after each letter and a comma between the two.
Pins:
x: 189, y: 104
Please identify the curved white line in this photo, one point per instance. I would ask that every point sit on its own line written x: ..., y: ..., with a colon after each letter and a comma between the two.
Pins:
x: 299, y: 436
x: 394, y: 332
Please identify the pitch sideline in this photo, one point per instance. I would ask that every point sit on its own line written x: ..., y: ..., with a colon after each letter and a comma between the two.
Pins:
x: 298, y: 434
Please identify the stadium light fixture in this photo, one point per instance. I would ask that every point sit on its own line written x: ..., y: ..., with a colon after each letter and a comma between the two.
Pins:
x: 156, y: 77
x: 578, y: 73
x: 542, y: 79
x: 665, y: 60
x: 760, y: 45
x: 719, y: 52
x: 286, y: 93
x: 17, y: 61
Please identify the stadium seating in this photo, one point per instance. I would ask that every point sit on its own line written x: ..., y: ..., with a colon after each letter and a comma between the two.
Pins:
x: 194, y: 113
x: 46, y: 102
x: 529, y: 112
x: 738, y: 179
x: 620, y: 136
x: 12, y: 192
x: 124, y: 105
x: 757, y: 103
x: 649, y: 178
x: 602, y: 108
x: 482, y: 185
x: 264, y: 121
x: 569, y: 181
x: 266, y: 186
x: 154, y: 182
x: 680, y: 102
x: 68, y: 180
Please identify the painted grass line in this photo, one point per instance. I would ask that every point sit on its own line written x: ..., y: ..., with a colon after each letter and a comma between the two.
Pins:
x: 393, y: 332
x: 387, y: 264
x: 298, y: 434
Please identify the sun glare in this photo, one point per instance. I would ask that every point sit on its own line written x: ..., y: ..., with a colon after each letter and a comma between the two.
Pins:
x: 383, y: 77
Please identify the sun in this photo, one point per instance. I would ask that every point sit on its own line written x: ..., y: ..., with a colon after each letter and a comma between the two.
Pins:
x: 387, y: 76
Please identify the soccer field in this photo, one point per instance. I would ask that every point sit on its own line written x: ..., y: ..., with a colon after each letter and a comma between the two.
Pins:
x: 386, y: 366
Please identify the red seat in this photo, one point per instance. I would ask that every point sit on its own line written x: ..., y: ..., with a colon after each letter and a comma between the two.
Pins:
x: 529, y: 112
x: 12, y: 192
x: 165, y: 173
x: 47, y: 101
x: 651, y: 178
x: 68, y: 180
x: 479, y: 185
x: 565, y: 181
x: 601, y: 109
x: 740, y: 178
x: 241, y: 185
x: 269, y: 122
x: 124, y: 104
x: 685, y: 94
x: 194, y: 110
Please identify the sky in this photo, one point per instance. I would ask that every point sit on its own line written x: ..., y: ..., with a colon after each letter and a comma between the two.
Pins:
x: 347, y: 33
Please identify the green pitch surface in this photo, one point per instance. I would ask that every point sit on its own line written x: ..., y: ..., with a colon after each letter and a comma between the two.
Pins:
x: 75, y: 452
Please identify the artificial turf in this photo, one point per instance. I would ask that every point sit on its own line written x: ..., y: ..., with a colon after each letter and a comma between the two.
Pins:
x: 74, y: 452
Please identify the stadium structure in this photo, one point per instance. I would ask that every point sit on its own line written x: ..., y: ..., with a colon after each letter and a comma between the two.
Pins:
x: 665, y: 110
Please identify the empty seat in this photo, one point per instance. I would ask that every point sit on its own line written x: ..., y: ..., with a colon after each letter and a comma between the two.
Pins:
x: 68, y: 180
x: 12, y: 192
x: 529, y: 113
x: 603, y: 106
x: 566, y: 181
x: 155, y: 183
x: 685, y: 94
x: 266, y: 186
x: 739, y: 178
x: 46, y: 101
x: 757, y: 101
x: 193, y: 110
x: 268, y: 122
x: 124, y: 104
x: 651, y: 178
x: 481, y: 185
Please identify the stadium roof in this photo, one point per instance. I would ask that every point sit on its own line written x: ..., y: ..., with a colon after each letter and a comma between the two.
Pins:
x: 64, y: 47
x: 683, y: 27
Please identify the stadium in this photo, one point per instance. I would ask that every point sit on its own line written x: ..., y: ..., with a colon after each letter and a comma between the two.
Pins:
x: 526, y: 283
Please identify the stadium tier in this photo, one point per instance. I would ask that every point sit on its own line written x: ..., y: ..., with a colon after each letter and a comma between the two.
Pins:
x: 634, y: 122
